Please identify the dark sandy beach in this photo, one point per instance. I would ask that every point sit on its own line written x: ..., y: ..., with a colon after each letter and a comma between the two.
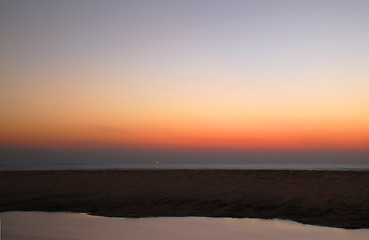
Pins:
x: 327, y: 198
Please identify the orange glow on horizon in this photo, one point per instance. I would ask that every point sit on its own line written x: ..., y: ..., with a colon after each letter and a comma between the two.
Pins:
x: 190, y: 137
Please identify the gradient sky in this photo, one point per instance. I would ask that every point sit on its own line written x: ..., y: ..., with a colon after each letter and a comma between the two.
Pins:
x: 245, y: 75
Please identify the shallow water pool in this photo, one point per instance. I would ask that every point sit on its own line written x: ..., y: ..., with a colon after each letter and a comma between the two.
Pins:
x: 55, y: 226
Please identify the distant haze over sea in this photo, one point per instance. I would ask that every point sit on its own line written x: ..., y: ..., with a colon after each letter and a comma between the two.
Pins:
x: 16, y: 158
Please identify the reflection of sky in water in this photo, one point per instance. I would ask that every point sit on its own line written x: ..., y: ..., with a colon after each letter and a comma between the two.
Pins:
x: 53, y: 226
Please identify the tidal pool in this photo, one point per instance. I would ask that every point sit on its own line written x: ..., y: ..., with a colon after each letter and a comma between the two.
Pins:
x: 55, y: 226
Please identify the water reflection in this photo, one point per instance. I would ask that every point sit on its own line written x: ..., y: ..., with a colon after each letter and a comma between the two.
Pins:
x: 55, y: 226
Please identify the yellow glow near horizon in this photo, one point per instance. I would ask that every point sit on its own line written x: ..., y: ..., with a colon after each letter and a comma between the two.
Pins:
x: 112, y: 115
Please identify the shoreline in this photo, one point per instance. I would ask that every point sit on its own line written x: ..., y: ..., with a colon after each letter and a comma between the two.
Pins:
x: 147, y: 167
x: 316, y: 197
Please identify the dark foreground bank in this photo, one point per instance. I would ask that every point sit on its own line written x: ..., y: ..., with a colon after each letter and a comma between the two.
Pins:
x: 327, y: 198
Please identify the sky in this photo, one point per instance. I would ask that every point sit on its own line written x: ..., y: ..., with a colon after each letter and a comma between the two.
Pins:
x: 231, y: 76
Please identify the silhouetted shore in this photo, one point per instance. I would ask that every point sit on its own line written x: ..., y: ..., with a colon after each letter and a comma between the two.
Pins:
x: 327, y: 198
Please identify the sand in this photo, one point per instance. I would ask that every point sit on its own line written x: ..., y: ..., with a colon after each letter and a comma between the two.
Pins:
x: 326, y: 198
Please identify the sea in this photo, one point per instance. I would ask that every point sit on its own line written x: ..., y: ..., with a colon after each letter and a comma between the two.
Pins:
x: 166, y: 166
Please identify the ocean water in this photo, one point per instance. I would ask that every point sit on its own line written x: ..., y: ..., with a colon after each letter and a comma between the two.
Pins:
x: 159, y: 166
x: 73, y: 226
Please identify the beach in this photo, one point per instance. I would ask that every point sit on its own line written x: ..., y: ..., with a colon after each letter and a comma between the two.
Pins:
x: 325, y: 198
